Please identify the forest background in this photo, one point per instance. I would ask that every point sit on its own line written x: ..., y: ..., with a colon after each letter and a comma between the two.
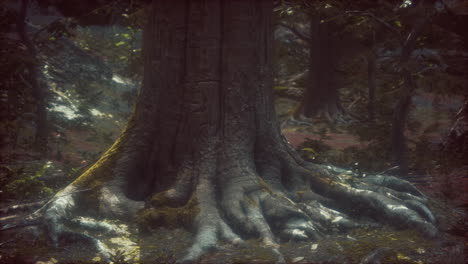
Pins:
x: 71, y: 73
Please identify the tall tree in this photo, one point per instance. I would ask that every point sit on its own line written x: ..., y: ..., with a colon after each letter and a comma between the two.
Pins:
x: 204, y: 137
x: 38, y: 91
x: 402, y: 107
x: 326, y: 49
x: 321, y: 96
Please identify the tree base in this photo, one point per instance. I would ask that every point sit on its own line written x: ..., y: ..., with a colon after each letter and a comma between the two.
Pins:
x: 230, y: 200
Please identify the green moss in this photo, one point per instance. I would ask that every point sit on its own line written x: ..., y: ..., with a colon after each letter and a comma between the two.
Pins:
x: 101, y: 171
x: 162, y: 214
x: 27, y: 188
x: 161, y: 199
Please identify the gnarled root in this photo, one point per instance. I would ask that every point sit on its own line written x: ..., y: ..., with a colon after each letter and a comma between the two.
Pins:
x: 61, y: 220
x: 237, y: 202
x: 279, y: 198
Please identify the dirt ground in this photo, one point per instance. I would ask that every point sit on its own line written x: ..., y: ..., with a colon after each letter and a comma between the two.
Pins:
x: 163, y: 245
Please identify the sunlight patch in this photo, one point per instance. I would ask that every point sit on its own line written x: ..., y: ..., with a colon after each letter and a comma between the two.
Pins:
x: 118, y: 79
x: 96, y: 112
x: 68, y: 112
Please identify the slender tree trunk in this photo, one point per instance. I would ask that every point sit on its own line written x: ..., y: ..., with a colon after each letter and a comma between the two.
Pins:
x: 371, y: 79
x: 402, y: 107
x: 40, y: 139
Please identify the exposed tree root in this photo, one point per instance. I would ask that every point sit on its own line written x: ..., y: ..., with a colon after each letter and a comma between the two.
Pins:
x: 60, y: 217
x: 257, y: 205
x: 285, y: 200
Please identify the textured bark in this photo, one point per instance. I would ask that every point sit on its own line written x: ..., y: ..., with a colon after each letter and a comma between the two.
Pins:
x: 203, y: 80
x: 205, y: 136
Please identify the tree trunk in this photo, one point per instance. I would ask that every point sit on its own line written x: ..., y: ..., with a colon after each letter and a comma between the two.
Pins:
x: 371, y: 80
x: 455, y: 144
x: 321, y: 96
x: 204, y: 142
x: 402, y: 107
x: 40, y: 138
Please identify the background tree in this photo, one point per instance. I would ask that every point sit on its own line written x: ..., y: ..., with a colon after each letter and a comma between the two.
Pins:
x: 328, y: 45
x: 39, y: 91
x: 382, y: 32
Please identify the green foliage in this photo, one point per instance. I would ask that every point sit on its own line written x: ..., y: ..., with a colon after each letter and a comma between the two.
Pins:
x: 118, y: 257
x: 29, y: 186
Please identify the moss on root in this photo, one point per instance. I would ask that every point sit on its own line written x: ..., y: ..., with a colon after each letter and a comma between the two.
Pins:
x: 162, y: 213
x: 101, y: 171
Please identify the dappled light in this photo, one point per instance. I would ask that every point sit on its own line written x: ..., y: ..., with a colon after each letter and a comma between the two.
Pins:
x: 233, y: 131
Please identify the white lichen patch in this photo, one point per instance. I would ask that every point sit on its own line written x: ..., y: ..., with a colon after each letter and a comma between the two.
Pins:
x: 337, y: 219
x: 330, y: 214
x: 397, y: 207
x: 101, y: 226
x: 325, y: 214
x: 299, y: 233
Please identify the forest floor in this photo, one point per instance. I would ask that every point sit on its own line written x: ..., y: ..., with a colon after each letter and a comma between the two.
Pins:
x: 37, y: 178
x: 164, y: 246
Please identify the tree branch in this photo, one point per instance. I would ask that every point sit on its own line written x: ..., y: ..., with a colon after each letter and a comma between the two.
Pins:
x: 381, y: 21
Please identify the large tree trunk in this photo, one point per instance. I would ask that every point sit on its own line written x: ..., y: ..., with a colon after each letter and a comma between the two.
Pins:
x: 204, y: 138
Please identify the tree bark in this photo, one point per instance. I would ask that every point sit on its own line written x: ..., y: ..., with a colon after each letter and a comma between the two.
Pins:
x: 40, y: 138
x: 402, y: 107
x: 204, y: 141
x: 371, y: 79
x: 321, y: 96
